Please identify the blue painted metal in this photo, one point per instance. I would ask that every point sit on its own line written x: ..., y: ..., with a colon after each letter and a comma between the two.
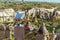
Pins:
x: 19, y: 16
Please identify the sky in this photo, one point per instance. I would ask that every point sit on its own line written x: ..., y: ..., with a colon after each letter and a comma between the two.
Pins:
x: 57, y: 1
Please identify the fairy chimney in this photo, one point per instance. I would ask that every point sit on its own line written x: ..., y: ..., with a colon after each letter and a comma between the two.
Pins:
x: 46, y: 15
x: 19, y: 32
x: 57, y: 36
x: 2, y: 35
x: 36, y: 21
x: 54, y: 13
x: 27, y: 27
x: 27, y: 18
x: 7, y: 33
x: 53, y: 36
x: 19, y: 28
x: 43, y: 33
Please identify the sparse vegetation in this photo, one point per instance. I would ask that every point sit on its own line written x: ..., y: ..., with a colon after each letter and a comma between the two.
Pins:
x: 28, y: 5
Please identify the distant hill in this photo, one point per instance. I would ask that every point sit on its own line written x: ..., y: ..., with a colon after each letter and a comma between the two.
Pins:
x: 27, y: 5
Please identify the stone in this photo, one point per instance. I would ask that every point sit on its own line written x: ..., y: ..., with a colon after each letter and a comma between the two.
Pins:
x: 7, y: 33
x: 19, y: 32
x: 57, y: 36
x: 42, y: 33
x: 2, y: 33
x: 26, y: 28
x: 39, y: 37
